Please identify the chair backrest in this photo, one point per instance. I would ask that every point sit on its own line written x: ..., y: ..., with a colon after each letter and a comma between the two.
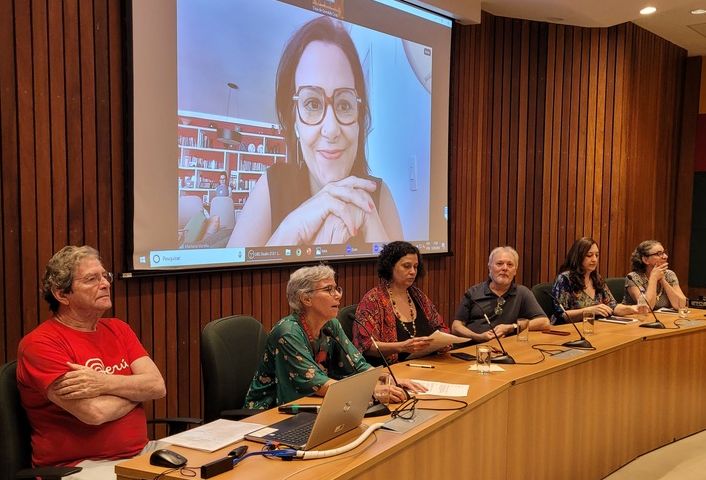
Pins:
x: 231, y: 351
x: 15, y: 446
x: 225, y: 209
x: 544, y: 300
x: 345, y: 317
x: 617, y: 287
x: 189, y: 205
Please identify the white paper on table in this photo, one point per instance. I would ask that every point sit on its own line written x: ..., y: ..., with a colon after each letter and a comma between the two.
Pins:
x: 443, y: 389
x: 493, y: 367
x: 439, y: 340
x: 212, y: 436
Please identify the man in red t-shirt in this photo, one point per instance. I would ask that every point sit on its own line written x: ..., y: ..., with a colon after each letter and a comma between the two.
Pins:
x: 82, y: 378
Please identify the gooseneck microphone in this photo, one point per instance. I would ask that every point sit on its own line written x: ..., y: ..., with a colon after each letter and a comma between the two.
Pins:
x: 656, y: 323
x: 504, y: 358
x: 376, y: 409
x: 384, y: 360
x: 329, y: 333
x: 581, y: 342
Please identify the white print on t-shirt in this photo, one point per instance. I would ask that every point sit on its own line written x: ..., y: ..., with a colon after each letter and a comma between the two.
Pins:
x: 97, y: 365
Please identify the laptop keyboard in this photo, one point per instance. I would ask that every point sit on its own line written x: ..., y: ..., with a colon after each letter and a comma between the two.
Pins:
x: 297, y: 435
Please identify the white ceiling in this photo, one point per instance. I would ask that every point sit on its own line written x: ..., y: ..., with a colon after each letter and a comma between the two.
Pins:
x: 672, y: 21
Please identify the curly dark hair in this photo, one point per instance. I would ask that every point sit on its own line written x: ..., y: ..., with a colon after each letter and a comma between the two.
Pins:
x: 574, y: 265
x: 391, y: 254
x: 642, y: 250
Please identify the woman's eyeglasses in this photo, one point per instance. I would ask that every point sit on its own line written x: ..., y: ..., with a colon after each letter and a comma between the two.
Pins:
x: 660, y: 254
x: 499, y: 307
x: 312, y: 101
x: 96, y: 278
x: 330, y: 289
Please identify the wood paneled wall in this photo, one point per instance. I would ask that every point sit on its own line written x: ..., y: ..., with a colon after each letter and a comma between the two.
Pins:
x: 556, y: 132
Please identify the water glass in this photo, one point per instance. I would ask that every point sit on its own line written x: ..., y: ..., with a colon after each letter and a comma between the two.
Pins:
x: 589, y: 321
x: 684, y: 308
x: 382, y: 392
x: 523, y: 330
x: 483, y: 359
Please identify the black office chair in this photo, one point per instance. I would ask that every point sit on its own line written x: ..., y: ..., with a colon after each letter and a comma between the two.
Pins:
x: 544, y: 300
x: 231, y: 351
x: 617, y: 287
x: 345, y: 317
x: 15, y: 446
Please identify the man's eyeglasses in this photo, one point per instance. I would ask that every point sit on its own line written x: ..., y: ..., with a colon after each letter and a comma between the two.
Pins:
x: 312, y: 101
x: 96, y: 278
x: 330, y: 289
x: 660, y: 254
x: 499, y: 307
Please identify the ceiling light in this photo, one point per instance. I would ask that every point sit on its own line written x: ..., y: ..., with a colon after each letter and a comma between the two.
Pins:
x: 648, y: 10
x: 699, y: 11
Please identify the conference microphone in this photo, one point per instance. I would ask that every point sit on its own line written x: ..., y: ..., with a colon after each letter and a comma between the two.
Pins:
x: 329, y: 333
x: 376, y: 409
x: 581, y: 342
x: 504, y: 358
x: 656, y: 323
x: 384, y: 360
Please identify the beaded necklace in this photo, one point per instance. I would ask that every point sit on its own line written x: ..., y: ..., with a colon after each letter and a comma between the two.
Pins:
x: 412, y: 313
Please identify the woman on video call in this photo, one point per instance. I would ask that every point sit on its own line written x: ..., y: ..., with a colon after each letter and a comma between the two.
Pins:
x: 323, y: 194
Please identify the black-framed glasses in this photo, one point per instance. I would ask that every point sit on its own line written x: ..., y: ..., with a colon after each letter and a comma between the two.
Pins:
x: 406, y: 410
x: 96, y: 278
x: 330, y: 289
x: 660, y: 254
x: 311, y: 104
x: 499, y: 307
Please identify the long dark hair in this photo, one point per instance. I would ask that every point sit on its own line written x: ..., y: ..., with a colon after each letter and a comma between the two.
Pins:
x: 321, y: 29
x: 574, y: 265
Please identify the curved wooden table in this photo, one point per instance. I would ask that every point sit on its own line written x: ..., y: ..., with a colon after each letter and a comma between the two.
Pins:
x: 579, y: 418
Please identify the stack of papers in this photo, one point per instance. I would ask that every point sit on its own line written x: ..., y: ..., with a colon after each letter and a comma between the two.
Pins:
x: 212, y: 436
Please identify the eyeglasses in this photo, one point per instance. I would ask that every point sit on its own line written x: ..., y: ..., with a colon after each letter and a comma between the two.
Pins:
x: 330, y: 289
x: 499, y: 307
x: 660, y: 254
x: 96, y: 278
x: 311, y: 104
x: 406, y: 410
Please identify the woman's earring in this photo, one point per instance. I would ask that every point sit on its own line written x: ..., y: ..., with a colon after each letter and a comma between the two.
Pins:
x: 299, y: 160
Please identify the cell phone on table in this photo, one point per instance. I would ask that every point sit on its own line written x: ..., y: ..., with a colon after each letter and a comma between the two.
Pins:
x: 556, y: 332
x: 464, y: 356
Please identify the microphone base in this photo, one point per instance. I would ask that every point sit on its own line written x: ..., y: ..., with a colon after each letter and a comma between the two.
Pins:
x: 580, y: 343
x: 377, y: 410
x: 505, y: 359
x: 658, y: 325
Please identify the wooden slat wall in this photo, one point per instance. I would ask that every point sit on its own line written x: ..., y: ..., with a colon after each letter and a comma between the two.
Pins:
x: 556, y: 132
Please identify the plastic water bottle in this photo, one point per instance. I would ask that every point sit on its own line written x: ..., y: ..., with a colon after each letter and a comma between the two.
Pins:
x: 643, y: 310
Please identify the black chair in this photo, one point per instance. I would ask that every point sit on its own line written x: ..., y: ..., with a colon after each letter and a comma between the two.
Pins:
x: 544, y: 300
x: 231, y: 351
x: 345, y: 317
x: 15, y: 446
x: 617, y: 287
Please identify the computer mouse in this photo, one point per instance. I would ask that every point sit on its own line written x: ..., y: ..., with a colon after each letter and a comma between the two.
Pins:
x: 167, y: 458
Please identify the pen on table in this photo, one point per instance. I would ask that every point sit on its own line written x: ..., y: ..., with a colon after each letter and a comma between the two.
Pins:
x: 420, y: 365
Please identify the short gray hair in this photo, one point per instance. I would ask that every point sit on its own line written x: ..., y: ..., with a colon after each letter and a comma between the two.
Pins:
x: 505, y: 248
x: 59, y: 274
x: 305, y: 280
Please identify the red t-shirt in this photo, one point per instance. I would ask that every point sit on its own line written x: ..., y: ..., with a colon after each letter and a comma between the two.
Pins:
x: 59, y: 438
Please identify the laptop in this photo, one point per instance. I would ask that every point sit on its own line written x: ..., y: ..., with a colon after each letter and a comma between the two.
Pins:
x: 341, y: 411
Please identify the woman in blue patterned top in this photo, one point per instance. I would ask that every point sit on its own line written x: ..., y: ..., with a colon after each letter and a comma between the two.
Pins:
x: 579, y: 287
